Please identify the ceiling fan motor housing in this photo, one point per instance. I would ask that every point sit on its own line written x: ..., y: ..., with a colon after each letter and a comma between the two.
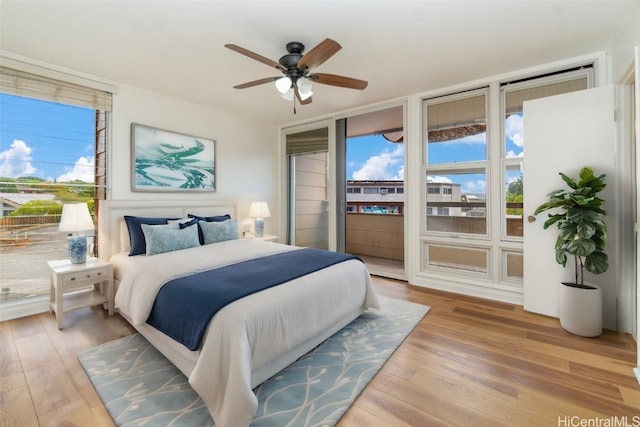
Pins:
x: 290, y: 61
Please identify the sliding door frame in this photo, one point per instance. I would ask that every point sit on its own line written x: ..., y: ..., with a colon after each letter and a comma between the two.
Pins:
x: 285, y: 173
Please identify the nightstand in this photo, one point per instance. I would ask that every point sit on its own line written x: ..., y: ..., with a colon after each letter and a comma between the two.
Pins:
x: 76, y: 286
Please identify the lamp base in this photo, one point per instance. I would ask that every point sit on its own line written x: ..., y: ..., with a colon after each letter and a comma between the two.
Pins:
x: 78, y: 249
x: 259, y: 227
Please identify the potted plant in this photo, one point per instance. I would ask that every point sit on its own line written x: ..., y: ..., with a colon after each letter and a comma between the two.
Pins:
x: 577, y: 212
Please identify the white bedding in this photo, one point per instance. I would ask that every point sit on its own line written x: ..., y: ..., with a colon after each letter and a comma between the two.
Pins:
x: 253, y: 338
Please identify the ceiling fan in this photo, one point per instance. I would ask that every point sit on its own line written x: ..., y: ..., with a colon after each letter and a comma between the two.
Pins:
x: 297, y: 79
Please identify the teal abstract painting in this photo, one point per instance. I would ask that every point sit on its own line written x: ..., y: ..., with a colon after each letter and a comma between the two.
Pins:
x: 169, y: 161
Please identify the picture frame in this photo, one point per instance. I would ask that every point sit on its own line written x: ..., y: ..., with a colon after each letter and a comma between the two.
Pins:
x: 167, y: 161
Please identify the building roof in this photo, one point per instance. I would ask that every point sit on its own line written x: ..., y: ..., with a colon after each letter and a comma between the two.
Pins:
x: 19, y: 199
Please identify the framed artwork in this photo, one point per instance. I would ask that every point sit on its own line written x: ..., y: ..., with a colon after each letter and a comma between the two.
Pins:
x: 169, y: 161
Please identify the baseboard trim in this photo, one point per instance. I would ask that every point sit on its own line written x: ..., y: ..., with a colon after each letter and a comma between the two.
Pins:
x: 480, y: 290
x: 23, y: 308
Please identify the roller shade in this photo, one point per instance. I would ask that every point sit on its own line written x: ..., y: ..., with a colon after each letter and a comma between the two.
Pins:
x: 514, y: 99
x: 20, y: 83
x: 457, y: 113
x: 313, y: 141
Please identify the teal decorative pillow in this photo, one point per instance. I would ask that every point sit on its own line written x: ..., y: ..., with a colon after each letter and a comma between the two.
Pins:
x: 214, y: 232
x: 167, y: 238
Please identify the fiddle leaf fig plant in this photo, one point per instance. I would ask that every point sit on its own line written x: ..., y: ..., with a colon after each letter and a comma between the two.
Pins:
x: 577, y: 212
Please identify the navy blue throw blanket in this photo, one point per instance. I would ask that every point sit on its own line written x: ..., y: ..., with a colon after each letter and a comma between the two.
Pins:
x: 184, y: 306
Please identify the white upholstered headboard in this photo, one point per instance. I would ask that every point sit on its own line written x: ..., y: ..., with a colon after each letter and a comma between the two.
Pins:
x: 111, y: 215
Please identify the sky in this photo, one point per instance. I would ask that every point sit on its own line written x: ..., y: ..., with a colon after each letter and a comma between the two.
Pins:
x: 27, y: 149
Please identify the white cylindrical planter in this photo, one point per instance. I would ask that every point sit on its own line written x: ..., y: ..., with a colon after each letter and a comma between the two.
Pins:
x: 580, y: 309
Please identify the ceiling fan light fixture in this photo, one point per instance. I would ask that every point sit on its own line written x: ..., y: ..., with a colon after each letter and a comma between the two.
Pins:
x: 283, y: 84
x: 288, y: 95
x: 304, y: 88
x: 306, y: 95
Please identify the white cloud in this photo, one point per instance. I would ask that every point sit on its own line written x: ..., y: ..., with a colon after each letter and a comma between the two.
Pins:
x: 440, y: 179
x: 383, y: 166
x: 474, y: 187
x: 82, y: 170
x: 513, y: 129
x: 16, y: 160
x: 512, y: 154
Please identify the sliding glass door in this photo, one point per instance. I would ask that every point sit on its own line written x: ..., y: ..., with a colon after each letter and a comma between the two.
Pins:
x: 308, y: 189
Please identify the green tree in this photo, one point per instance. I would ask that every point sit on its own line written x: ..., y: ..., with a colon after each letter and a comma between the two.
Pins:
x: 515, y: 194
x: 7, y: 185
x: 38, y: 207
x: 516, y: 187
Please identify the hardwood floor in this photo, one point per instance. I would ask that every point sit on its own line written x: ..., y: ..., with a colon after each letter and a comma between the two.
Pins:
x: 469, y: 362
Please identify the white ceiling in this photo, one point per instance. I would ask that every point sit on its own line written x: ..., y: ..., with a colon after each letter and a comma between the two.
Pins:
x: 399, y: 47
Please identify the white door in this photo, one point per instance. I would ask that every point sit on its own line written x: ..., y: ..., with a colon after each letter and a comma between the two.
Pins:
x: 563, y: 133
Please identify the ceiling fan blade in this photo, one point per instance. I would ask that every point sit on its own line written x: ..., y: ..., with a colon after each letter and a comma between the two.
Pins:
x: 255, y: 56
x: 256, y: 82
x: 300, y: 100
x: 316, y: 56
x: 335, y: 80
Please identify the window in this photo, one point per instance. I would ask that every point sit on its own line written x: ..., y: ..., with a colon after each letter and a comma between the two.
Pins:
x: 370, y: 190
x: 457, y: 128
x: 458, y: 161
x: 515, y: 94
x: 54, y: 137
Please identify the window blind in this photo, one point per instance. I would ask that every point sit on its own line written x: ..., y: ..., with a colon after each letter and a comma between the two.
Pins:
x: 20, y: 83
x: 515, y: 98
x: 313, y: 141
x: 456, y: 113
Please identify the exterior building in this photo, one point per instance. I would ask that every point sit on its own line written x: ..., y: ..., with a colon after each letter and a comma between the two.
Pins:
x: 387, y: 197
x: 9, y: 202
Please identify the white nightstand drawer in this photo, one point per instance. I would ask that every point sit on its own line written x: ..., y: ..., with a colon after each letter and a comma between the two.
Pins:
x: 84, y: 278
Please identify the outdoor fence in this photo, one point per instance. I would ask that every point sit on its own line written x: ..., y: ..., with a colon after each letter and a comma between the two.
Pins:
x: 10, y: 224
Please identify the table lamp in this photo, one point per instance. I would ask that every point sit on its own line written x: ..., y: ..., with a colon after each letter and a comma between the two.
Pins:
x: 259, y: 211
x: 74, y: 219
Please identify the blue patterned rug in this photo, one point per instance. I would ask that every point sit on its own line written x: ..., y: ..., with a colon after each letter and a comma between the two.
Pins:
x: 139, y: 387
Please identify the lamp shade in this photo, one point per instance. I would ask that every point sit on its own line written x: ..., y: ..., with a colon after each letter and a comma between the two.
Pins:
x: 75, y: 217
x: 304, y: 88
x: 288, y: 95
x: 259, y: 210
x: 283, y: 84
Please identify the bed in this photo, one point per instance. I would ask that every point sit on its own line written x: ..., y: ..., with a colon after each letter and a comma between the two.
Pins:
x: 249, y: 340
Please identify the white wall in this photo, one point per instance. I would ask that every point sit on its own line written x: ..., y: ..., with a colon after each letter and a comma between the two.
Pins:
x: 246, y: 151
x: 622, y: 42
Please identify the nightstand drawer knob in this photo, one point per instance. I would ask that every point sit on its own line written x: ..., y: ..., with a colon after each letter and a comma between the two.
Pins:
x: 73, y: 278
x: 88, y: 275
x: 100, y: 273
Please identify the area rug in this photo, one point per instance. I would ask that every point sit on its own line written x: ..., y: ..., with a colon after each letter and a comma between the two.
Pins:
x: 140, y: 387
